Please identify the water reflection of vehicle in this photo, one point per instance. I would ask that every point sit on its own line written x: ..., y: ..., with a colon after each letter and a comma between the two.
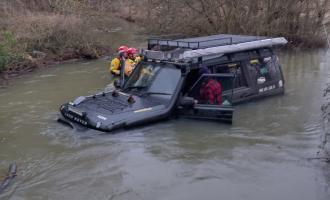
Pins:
x: 168, y: 82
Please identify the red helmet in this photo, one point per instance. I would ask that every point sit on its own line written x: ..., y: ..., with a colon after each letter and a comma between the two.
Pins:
x: 131, y: 51
x: 122, y: 48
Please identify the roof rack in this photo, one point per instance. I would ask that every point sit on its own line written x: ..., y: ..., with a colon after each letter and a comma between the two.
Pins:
x: 202, y: 42
x: 187, y: 54
x: 190, y: 45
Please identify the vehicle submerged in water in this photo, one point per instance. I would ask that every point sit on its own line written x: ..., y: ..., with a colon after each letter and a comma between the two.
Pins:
x: 167, y: 82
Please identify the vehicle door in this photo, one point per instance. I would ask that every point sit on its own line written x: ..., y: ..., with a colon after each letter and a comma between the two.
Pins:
x: 210, y: 97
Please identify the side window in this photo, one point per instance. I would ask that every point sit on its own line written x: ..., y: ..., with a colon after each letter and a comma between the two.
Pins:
x: 213, y: 89
x: 221, y: 69
x: 233, y: 68
x: 270, y: 69
x: 263, y: 70
x: 240, y: 79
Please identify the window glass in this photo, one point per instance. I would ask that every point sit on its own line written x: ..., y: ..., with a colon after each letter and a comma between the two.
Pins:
x: 154, y: 78
x: 240, y: 79
x: 233, y: 68
x: 263, y: 70
x: 268, y: 69
x: 271, y: 69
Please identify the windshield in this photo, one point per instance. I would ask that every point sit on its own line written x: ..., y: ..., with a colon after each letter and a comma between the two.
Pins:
x: 153, y: 78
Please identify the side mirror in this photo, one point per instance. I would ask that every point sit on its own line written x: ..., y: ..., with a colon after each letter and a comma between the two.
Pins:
x: 116, y: 83
x: 187, y: 101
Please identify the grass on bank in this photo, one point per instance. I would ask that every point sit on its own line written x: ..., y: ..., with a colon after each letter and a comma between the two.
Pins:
x: 8, y: 50
x: 42, y: 36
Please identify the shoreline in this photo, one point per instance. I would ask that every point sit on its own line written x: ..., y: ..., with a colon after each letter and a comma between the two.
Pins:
x: 325, y: 108
x: 31, y: 63
x: 39, y: 60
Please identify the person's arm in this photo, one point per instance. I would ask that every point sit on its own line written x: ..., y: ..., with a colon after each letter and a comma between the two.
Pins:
x: 114, y: 66
x: 137, y: 59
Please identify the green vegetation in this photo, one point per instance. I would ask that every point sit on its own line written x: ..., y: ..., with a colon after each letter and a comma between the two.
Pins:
x: 7, y: 49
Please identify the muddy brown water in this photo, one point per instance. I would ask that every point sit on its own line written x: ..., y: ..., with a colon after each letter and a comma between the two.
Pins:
x: 263, y: 155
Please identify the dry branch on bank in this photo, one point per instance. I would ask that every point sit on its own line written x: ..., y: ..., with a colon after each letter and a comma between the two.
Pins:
x: 300, y: 21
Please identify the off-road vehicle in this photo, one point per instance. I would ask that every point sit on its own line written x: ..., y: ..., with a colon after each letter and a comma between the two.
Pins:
x: 168, y: 82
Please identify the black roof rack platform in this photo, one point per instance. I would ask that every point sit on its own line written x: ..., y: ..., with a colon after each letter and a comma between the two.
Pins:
x: 203, y: 42
x: 184, y: 50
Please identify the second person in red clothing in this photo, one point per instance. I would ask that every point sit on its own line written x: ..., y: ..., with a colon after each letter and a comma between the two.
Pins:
x: 210, y: 91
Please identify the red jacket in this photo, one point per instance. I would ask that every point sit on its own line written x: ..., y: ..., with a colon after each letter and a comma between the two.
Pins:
x: 211, y: 92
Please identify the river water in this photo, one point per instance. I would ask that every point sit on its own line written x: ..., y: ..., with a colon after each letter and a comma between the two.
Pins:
x: 264, y: 154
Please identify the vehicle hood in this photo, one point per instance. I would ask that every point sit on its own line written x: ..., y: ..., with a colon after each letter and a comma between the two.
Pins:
x: 107, y: 111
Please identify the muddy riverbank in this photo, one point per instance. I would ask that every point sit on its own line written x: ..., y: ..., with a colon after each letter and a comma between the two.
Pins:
x: 40, y: 60
x: 119, y: 33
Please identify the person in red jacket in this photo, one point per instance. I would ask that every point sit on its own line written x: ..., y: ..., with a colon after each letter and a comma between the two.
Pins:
x: 210, y: 91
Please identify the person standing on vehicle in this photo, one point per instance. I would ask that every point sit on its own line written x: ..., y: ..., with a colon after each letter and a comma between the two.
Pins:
x: 137, y: 57
x: 116, y: 63
x: 130, y: 61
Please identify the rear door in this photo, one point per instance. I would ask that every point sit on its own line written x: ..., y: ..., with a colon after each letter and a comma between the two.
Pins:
x: 212, y: 98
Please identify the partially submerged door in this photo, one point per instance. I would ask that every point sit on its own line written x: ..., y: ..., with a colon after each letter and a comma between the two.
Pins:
x: 210, y: 97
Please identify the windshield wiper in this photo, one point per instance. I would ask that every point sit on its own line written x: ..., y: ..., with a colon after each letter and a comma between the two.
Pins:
x: 160, y: 93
